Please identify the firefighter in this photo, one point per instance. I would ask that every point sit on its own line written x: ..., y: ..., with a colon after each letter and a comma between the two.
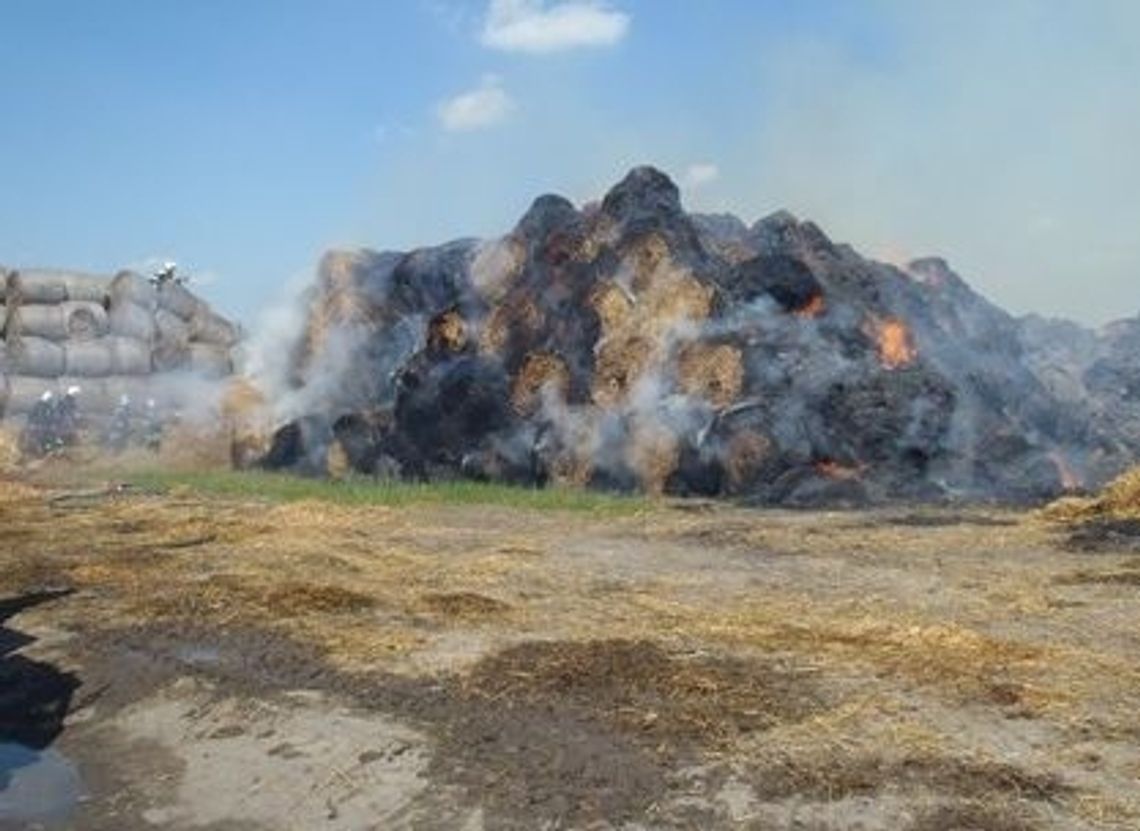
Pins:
x: 152, y: 426
x: 67, y: 418
x: 37, y: 438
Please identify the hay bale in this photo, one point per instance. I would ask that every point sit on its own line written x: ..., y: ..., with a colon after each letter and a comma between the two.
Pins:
x: 209, y: 360
x: 171, y: 329
x: 33, y: 286
x: 36, y: 357
x: 177, y: 299
x: 127, y: 287
x: 714, y: 372
x: 613, y: 305
x: 447, y: 332
x: 745, y: 455
x: 652, y: 453
x: 71, y: 320
x: 107, y: 356
x: 130, y: 320
x: 620, y: 362
x: 539, y: 370
x: 170, y: 356
x: 209, y: 327
x: 21, y: 393
x: 516, y: 318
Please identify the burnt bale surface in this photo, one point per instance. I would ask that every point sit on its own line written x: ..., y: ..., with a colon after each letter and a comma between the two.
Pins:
x: 627, y: 344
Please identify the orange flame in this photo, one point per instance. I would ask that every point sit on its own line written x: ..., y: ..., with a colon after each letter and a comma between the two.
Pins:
x: 896, y: 344
x: 1070, y: 479
x: 832, y: 469
x: 812, y: 308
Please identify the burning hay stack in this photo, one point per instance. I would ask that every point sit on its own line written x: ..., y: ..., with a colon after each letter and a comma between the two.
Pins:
x: 110, y: 336
x: 632, y: 345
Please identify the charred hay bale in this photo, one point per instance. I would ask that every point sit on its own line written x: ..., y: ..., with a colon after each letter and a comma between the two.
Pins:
x: 619, y: 364
x: 714, y: 372
x: 447, y: 332
x: 129, y: 287
x: 36, y: 357
x: 209, y: 360
x: 538, y: 372
x: 177, y: 300
x: 62, y: 321
x: 207, y: 326
x: 131, y: 320
x: 107, y: 356
x: 170, y: 356
x: 446, y: 407
x: 786, y: 280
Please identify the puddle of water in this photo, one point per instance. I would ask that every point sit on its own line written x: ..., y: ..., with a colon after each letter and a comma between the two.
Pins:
x: 40, y: 786
x: 198, y: 655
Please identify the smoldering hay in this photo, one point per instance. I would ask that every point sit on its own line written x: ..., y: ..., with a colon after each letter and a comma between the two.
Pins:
x: 628, y: 344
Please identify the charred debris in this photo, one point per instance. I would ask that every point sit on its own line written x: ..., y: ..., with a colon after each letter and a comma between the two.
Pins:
x: 633, y: 346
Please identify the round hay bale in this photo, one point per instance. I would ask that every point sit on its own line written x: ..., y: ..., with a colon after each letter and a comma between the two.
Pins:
x: 63, y: 321
x: 178, y: 300
x: 209, y: 360
x: 36, y: 357
x: 88, y: 360
x: 652, y: 454
x: 88, y: 288
x: 679, y: 297
x: 23, y: 392
x: 35, y: 286
x: 209, y: 327
x: 613, y: 305
x: 170, y: 356
x: 539, y: 371
x: 745, y: 454
x: 248, y: 419
x: 128, y: 287
x: 107, y: 356
x: 619, y: 364
x: 131, y: 320
x: 714, y: 372
x: 171, y: 329
x: 513, y: 319
x: 3, y: 321
x: 447, y: 332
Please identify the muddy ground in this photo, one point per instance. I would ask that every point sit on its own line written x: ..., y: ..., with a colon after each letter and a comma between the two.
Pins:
x: 172, y: 660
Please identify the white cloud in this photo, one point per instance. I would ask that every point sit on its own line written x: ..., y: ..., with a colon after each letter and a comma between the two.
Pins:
x: 532, y: 26
x: 485, y: 106
x: 699, y: 174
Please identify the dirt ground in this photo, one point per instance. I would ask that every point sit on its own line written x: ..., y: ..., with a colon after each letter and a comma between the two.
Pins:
x: 194, y: 662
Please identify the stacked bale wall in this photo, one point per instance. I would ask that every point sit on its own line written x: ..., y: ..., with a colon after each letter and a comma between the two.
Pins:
x: 109, y: 335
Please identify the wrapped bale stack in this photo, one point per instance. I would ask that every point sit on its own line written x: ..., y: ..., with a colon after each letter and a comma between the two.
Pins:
x: 109, y: 335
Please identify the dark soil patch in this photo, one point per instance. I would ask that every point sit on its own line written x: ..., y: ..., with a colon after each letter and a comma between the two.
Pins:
x: 971, y: 816
x: 1098, y: 535
x: 464, y: 605
x: 944, y: 520
x: 1105, y: 578
x: 838, y: 777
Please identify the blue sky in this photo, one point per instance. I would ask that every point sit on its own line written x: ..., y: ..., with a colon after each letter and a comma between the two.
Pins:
x: 244, y: 138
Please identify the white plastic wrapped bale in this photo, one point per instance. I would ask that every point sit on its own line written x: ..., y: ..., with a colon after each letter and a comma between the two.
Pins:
x: 178, y: 300
x: 35, y: 286
x: 209, y: 360
x: 23, y: 392
x: 130, y: 287
x: 36, y: 357
x: 107, y: 356
x: 81, y: 320
x: 208, y: 327
x: 131, y: 320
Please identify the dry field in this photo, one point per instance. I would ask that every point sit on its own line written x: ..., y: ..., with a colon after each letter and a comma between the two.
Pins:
x: 249, y: 663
